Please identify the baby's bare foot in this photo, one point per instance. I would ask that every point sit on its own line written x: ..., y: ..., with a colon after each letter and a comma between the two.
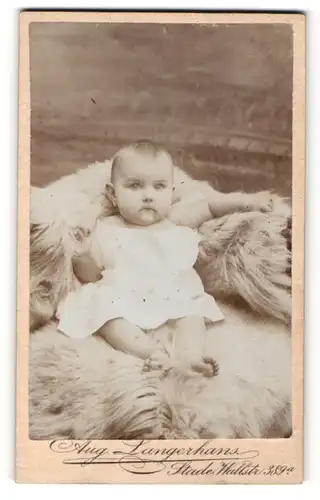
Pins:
x: 214, y: 365
x: 207, y: 367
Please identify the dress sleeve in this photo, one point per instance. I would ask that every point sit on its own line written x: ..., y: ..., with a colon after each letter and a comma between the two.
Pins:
x: 191, y: 211
x: 96, y: 249
x: 102, y: 239
x: 186, y: 248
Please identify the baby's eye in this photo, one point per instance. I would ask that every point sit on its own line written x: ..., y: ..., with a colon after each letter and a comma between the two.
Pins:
x: 134, y: 185
x: 160, y: 185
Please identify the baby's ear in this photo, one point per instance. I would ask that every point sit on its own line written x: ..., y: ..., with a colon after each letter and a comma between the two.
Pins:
x: 110, y: 194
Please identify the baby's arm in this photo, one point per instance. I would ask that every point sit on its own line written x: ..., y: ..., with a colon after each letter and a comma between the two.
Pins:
x: 90, y: 260
x: 225, y: 203
x: 190, y: 212
x: 86, y: 261
x: 194, y: 211
x: 86, y: 268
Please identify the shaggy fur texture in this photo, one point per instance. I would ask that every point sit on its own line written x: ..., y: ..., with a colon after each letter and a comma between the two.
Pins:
x: 85, y: 389
x: 244, y: 255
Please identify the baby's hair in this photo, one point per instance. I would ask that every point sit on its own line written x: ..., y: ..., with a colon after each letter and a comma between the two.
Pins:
x: 143, y: 147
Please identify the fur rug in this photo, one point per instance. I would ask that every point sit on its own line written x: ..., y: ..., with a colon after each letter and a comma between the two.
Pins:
x: 84, y: 389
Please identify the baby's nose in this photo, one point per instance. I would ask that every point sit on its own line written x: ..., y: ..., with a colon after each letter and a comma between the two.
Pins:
x: 147, y: 197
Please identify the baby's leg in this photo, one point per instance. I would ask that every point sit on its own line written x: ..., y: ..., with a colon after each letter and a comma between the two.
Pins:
x: 126, y: 337
x: 189, y: 345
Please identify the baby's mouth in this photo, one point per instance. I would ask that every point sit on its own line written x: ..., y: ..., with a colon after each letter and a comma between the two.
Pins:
x: 148, y: 209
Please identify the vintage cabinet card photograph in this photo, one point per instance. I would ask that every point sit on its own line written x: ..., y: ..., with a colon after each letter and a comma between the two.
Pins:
x: 160, y: 248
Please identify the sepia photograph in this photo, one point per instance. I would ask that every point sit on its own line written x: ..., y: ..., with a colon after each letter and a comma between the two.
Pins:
x: 160, y: 231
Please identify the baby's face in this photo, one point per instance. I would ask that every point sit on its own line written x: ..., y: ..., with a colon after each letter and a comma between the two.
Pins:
x: 143, y: 188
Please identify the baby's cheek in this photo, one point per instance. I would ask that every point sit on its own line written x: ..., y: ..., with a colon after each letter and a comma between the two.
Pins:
x: 134, y: 203
x: 167, y: 202
x: 126, y: 201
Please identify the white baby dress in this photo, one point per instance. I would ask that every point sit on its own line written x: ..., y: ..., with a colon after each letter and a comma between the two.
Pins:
x: 148, y: 279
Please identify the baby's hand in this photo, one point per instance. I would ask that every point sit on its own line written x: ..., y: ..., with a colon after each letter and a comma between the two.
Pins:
x: 259, y: 202
x: 81, y: 234
x: 156, y: 361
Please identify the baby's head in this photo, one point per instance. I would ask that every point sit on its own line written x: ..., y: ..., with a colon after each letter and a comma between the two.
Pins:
x: 142, y: 183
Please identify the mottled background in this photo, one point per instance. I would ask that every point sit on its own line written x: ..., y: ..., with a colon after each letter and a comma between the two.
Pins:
x: 218, y: 97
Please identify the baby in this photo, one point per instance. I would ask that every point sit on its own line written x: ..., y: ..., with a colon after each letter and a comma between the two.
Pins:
x: 139, y: 274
